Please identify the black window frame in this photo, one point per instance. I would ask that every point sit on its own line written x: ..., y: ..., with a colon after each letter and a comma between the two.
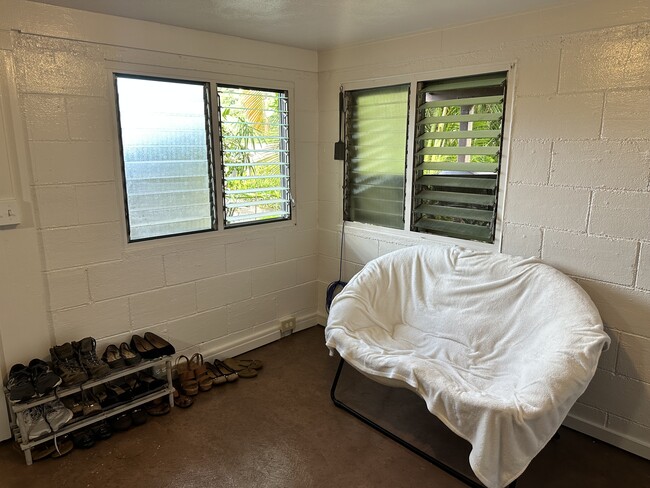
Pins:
x: 416, y: 81
x: 215, y: 173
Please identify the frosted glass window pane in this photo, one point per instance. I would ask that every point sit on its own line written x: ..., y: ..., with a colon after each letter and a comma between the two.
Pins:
x: 377, y: 121
x: 164, y: 136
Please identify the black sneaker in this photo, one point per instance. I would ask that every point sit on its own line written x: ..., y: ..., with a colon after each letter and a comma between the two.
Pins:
x: 87, y: 351
x: 20, y: 384
x: 44, y: 378
x: 66, y: 365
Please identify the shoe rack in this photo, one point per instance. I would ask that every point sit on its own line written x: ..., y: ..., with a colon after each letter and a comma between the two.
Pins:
x: 18, y: 427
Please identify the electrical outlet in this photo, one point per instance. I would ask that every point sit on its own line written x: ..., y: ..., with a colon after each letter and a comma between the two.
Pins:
x: 9, y: 212
x: 287, y: 326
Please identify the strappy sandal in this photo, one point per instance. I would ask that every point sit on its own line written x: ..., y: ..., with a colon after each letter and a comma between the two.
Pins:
x: 186, y: 378
x: 201, y: 373
x: 226, y: 371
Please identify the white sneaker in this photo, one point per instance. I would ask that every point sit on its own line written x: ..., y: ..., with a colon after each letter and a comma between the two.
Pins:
x: 35, y: 423
x: 56, y: 414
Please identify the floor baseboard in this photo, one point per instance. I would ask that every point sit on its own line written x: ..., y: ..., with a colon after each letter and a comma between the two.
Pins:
x: 258, y: 338
x: 622, y: 441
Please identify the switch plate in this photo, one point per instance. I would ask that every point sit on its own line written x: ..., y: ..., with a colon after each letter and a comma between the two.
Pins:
x: 9, y: 212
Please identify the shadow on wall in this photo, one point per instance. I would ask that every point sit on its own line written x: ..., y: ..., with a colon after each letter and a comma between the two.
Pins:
x: 615, y: 392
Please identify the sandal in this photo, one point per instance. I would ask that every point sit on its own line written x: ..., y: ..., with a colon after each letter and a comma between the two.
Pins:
x: 226, y: 371
x: 237, y: 364
x: 182, y: 401
x: 245, y: 368
x: 186, y: 377
x: 201, y: 373
x: 63, y: 445
x: 157, y: 408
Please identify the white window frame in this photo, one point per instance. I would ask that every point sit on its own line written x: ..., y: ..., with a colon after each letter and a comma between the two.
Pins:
x: 406, y: 235
x: 214, y: 79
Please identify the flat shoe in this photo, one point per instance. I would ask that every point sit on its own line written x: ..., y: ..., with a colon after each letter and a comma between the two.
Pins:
x: 163, y: 347
x: 226, y: 371
x: 113, y: 357
x: 144, y: 348
x: 130, y: 356
x: 219, y: 378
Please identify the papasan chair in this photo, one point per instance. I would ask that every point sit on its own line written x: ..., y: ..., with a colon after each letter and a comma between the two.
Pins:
x: 499, y: 347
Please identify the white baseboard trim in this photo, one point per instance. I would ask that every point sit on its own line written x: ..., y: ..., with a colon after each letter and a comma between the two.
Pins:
x: 630, y: 444
x: 259, y: 338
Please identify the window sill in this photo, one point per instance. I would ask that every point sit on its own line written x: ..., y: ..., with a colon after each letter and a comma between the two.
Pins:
x: 408, y: 238
x: 200, y: 239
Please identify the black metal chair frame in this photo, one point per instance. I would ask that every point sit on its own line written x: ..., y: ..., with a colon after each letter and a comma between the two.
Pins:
x: 448, y: 469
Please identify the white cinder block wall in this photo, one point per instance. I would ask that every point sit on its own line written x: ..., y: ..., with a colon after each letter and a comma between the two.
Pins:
x: 578, y: 193
x: 578, y: 188
x: 216, y: 292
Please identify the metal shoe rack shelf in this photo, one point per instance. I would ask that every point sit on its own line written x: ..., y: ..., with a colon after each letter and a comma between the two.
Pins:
x: 18, y: 425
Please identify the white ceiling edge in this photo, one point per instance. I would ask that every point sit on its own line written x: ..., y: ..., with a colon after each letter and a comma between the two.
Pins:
x: 52, y: 21
x: 313, y: 24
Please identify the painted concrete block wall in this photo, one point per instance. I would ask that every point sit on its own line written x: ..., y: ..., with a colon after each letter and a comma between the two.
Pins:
x: 578, y: 193
x: 203, y: 292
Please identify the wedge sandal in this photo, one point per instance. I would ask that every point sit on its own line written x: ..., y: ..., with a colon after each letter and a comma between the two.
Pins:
x: 188, y: 383
x: 201, y: 373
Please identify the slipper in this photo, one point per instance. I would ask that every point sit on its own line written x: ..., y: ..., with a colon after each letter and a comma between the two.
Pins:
x: 241, y: 364
x: 230, y: 374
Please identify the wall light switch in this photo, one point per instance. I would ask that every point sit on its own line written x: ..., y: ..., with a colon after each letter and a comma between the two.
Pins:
x: 9, y: 212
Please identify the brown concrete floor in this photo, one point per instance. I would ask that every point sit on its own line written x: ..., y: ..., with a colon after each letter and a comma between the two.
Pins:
x: 281, y: 430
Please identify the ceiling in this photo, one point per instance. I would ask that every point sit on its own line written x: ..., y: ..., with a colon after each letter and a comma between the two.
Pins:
x: 311, y: 24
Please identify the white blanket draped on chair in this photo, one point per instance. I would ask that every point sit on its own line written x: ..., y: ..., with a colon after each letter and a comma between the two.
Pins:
x: 499, y: 347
